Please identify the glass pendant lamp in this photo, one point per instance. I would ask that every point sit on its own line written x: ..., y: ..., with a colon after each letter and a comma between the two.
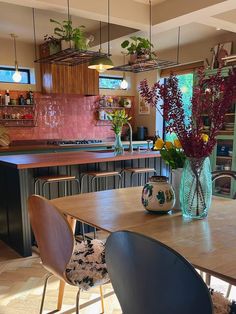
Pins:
x: 103, y: 63
x: 16, y: 76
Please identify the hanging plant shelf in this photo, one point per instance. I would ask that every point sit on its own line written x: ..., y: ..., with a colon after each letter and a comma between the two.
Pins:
x: 143, y: 66
x: 71, y: 56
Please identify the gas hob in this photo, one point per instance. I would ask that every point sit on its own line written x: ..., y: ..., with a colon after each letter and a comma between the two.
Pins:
x: 73, y: 142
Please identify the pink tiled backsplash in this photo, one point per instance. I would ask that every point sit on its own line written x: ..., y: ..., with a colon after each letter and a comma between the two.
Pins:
x: 64, y: 117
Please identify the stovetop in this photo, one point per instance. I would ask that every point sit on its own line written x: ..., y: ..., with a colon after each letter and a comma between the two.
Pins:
x: 73, y: 142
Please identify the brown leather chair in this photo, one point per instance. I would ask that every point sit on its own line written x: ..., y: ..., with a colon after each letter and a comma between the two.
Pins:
x: 80, y: 264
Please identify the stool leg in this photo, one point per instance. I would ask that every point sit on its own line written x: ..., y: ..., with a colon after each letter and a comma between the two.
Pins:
x: 81, y: 183
x: 43, y: 188
x: 93, y: 184
x: 131, y: 177
x: 77, y: 180
x: 119, y: 180
x: 65, y: 188
x: 35, y: 185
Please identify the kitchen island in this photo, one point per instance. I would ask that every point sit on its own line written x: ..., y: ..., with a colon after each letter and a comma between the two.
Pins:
x: 17, y: 173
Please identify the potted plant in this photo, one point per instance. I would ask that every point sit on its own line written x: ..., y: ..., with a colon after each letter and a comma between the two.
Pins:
x: 52, y: 45
x: 70, y: 37
x: 139, y: 48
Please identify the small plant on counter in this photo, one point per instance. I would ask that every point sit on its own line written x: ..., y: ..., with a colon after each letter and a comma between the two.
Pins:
x: 118, y: 119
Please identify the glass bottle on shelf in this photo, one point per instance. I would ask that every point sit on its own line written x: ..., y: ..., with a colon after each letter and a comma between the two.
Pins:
x: 21, y: 100
x: 7, y: 98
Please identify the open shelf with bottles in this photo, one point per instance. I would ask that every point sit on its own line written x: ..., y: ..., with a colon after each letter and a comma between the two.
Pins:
x: 18, y: 115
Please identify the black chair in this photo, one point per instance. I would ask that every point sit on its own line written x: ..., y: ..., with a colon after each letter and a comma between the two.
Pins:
x: 150, y: 278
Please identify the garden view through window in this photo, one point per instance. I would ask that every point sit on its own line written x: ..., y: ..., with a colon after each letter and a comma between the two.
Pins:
x: 186, y: 87
x: 6, y: 74
x: 109, y: 82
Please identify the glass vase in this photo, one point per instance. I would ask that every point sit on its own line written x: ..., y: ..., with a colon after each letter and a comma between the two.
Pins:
x: 118, y: 146
x: 196, y: 188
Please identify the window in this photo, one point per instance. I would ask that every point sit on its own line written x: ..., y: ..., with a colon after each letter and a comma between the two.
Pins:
x: 7, y: 72
x: 186, y: 87
x: 109, y: 82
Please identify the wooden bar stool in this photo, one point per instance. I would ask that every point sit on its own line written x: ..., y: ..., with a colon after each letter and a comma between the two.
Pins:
x: 138, y: 171
x: 54, y: 179
x: 99, y: 174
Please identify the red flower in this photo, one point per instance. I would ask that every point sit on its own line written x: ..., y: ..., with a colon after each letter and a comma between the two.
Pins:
x: 213, y: 96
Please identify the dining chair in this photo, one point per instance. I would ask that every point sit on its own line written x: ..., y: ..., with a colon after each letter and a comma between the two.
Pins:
x: 149, y: 277
x: 76, y: 263
x: 217, y: 175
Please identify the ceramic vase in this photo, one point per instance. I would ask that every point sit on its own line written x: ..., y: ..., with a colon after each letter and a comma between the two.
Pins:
x: 158, y: 195
x: 175, y: 182
x: 196, y: 188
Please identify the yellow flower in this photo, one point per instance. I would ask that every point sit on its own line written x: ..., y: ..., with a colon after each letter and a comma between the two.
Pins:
x: 177, y: 143
x: 205, y: 137
x: 169, y: 145
x: 159, y: 144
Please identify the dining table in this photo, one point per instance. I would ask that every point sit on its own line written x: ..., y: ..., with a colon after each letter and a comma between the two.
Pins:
x: 209, y: 244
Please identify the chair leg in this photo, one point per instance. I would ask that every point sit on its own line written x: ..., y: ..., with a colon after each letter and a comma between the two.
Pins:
x: 208, y: 279
x: 228, y: 290
x: 60, y: 294
x: 102, y: 299
x: 77, y: 302
x: 44, y: 292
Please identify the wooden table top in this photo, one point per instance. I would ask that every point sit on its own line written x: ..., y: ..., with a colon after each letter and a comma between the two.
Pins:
x: 28, y: 161
x: 209, y: 244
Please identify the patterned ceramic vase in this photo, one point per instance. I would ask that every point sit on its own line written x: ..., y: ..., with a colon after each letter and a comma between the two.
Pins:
x: 158, y: 195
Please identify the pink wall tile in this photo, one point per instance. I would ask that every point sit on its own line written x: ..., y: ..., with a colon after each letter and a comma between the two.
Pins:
x: 64, y: 117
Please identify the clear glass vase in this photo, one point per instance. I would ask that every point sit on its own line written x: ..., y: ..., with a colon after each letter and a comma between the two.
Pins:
x: 196, y: 188
x: 118, y: 146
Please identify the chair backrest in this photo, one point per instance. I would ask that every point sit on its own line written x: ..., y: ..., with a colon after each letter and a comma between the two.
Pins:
x: 218, y: 174
x: 53, y: 235
x: 149, y: 277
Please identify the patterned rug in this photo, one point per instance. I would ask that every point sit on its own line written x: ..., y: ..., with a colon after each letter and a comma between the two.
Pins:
x: 21, y: 285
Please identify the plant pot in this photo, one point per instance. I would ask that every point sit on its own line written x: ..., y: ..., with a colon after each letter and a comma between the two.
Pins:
x: 132, y: 58
x: 158, y: 195
x: 67, y: 44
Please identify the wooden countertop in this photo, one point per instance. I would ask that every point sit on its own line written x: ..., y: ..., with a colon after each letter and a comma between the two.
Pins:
x: 28, y: 161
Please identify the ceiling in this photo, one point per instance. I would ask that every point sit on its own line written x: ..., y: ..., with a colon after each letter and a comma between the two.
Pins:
x: 198, y: 19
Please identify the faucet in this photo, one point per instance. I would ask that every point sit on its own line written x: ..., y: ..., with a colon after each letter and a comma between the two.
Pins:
x: 130, y: 138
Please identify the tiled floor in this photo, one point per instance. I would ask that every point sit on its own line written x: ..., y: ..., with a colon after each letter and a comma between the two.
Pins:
x: 21, y: 284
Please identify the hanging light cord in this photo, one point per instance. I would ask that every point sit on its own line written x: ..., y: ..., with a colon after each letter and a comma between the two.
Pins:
x: 34, y: 29
x: 100, y: 36
x: 178, y: 46
x: 150, y: 21
x: 108, y: 27
x: 14, y: 43
x: 68, y: 10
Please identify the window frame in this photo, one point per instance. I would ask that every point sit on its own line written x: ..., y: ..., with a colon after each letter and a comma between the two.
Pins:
x: 21, y: 70
x: 118, y: 78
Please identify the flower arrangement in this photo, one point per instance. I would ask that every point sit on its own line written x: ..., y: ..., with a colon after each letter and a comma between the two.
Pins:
x: 171, y: 153
x: 118, y: 118
x: 212, y: 96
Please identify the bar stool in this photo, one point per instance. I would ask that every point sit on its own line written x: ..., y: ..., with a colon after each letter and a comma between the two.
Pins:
x: 138, y: 171
x: 99, y: 174
x: 54, y: 179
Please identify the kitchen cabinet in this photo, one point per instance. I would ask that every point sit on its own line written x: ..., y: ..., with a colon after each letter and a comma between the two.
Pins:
x: 18, y: 116
x: 65, y: 79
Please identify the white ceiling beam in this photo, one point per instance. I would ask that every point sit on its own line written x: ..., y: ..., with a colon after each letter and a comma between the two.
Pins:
x: 168, y: 17
x: 218, y: 23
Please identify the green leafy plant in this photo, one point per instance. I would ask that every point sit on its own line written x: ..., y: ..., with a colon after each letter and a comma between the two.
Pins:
x: 138, y: 45
x: 65, y: 31
x: 118, y: 119
x: 171, y: 153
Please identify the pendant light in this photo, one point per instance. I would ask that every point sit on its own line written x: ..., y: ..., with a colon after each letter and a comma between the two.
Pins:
x: 124, y: 83
x: 16, y: 76
x: 104, y: 63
